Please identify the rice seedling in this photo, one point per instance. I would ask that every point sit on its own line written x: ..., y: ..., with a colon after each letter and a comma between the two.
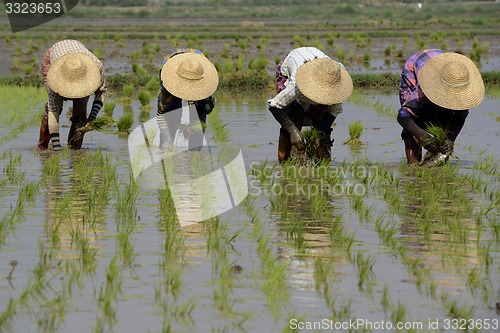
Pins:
x: 217, y: 245
x: 296, y: 232
x: 28, y: 69
x: 98, y: 124
x: 218, y: 127
x: 275, y: 276
x: 228, y: 65
x: 226, y: 49
x: 240, y: 63
x: 16, y: 64
x: 126, y: 218
x: 134, y: 55
x: 143, y: 73
x: 11, y: 170
x: 108, y: 294
x: 128, y: 90
x: 125, y: 123
x: 121, y: 43
x: 386, y: 301
x: 109, y: 108
x: 274, y: 271
x: 156, y: 47
x: 146, y: 48
x: 173, y: 244
x: 355, y: 131
x: 242, y: 45
x: 341, y: 55
x: 364, y: 265
x: 317, y: 44
x: 144, y: 97
x: 399, y: 314
x: 387, y: 51
x: 153, y: 85
x: 135, y: 67
x: 51, y: 166
x: 439, y: 133
x: 330, y: 39
x: 259, y: 64
x: 99, y: 53
x: 367, y: 56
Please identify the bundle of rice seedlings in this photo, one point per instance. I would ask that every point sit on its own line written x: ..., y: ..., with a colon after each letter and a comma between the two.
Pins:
x: 109, y: 108
x: 311, y: 137
x: 439, y: 136
x: 125, y: 123
x: 355, y: 130
x: 97, y: 124
x: 438, y: 133
x: 144, y: 97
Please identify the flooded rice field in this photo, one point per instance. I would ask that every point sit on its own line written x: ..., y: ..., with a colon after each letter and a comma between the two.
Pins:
x: 233, y: 45
x: 365, y: 244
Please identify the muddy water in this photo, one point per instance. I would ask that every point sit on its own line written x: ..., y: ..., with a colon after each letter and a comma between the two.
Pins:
x: 70, y: 295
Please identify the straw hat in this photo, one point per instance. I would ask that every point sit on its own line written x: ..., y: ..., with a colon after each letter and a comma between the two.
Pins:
x: 190, y: 76
x: 74, y: 75
x: 324, y: 81
x: 452, y: 81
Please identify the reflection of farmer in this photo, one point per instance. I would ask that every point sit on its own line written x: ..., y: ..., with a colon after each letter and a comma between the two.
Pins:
x: 436, y: 88
x: 70, y: 72
x: 187, y: 76
x: 69, y: 214
x: 311, y: 88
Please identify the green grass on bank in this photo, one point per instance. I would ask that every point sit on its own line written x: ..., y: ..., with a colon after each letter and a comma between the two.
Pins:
x: 253, y: 80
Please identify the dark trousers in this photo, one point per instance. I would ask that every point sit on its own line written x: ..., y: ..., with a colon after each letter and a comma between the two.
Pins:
x: 432, y: 115
x: 317, y: 116
x: 78, y: 119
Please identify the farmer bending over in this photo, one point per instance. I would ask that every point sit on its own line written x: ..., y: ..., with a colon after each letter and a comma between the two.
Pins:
x: 70, y: 72
x: 436, y: 88
x: 187, y: 78
x: 311, y: 88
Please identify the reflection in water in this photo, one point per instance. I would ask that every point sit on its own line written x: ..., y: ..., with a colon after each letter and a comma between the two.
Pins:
x: 305, y: 219
x: 437, y: 226
x: 75, y: 198
x: 318, y: 270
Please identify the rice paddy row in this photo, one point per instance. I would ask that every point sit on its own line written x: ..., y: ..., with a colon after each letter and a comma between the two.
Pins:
x: 246, y: 58
x: 335, y: 231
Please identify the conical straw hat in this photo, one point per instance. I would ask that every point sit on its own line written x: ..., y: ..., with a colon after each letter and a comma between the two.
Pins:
x: 452, y: 81
x: 324, y: 81
x: 74, y: 75
x: 190, y: 76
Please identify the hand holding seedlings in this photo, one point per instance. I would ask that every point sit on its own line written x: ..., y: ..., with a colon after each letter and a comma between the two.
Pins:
x: 437, y: 90
x: 311, y: 88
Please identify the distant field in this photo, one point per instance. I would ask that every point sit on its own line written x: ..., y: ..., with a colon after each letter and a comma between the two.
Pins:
x: 246, y: 42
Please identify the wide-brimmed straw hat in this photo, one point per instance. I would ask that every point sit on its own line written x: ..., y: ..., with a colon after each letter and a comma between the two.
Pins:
x: 190, y: 76
x: 452, y: 81
x: 324, y: 81
x: 74, y: 75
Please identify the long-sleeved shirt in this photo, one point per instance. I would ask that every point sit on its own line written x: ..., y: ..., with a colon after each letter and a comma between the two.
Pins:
x: 286, y: 84
x: 55, y: 101
x: 413, y: 100
x: 411, y: 95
